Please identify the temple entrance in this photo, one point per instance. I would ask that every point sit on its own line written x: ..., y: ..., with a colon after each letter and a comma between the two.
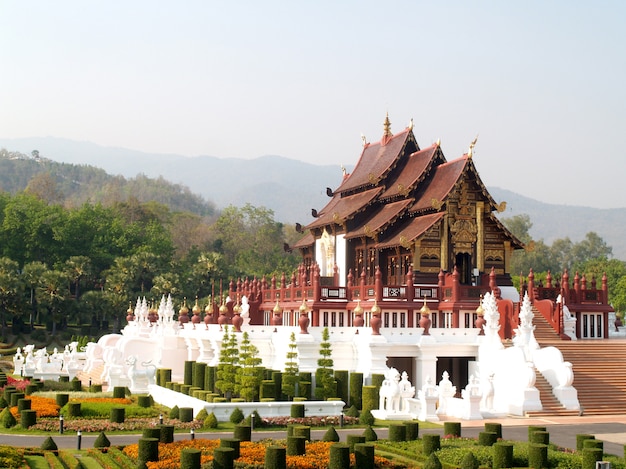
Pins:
x: 592, y: 326
x: 463, y: 262
x: 457, y: 368
x: 403, y: 364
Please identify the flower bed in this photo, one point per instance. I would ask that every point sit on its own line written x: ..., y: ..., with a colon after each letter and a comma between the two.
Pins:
x: 252, y: 455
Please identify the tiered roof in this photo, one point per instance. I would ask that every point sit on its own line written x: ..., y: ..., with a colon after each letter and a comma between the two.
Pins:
x: 396, y: 192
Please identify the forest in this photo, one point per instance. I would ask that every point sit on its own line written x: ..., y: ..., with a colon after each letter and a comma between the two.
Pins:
x: 78, y: 245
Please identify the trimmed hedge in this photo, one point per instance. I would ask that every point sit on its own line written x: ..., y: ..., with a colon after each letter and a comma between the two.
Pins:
x: 223, y: 458
x: 232, y: 443
x: 356, y: 390
x: 502, y: 455
x: 487, y: 438
x: 276, y: 457
x: 343, y: 385
x: 297, y: 410
x: 369, y: 398
x: 397, y: 432
x: 580, y: 438
x: 243, y: 432
x: 412, y: 430
x: 537, y: 455
x: 452, y: 429
x: 148, y: 450
x: 431, y: 442
x: 339, y: 456
x: 190, y: 458
x: 188, y: 372
x: 364, y: 455
x: 296, y: 445
x: 352, y: 440
x: 118, y: 415
x: 495, y: 428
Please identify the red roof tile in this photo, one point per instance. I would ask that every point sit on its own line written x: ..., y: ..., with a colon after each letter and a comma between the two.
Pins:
x: 410, y: 230
x: 306, y: 241
x: 414, y: 169
x: 380, y: 219
x: 340, y: 209
x: 376, y: 159
x: 442, y: 182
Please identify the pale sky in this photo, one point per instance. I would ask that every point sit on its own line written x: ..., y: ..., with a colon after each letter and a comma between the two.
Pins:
x: 543, y: 83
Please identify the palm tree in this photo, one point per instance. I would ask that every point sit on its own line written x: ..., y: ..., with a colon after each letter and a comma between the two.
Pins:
x: 32, y: 274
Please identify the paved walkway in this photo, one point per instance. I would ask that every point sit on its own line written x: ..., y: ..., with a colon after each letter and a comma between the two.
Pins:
x: 563, y: 431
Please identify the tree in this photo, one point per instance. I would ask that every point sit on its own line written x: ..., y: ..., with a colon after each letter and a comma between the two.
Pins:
x: 227, y: 366
x: 32, y: 273
x: 10, y: 290
x: 324, y: 379
x: 291, y: 375
x: 53, y: 295
x: 77, y: 268
x: 250, y: 372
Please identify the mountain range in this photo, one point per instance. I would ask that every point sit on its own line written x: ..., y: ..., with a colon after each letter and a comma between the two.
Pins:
x: 291, y: 188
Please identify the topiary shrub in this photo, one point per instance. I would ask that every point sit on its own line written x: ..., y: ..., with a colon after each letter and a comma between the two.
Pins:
x: 236, y: 416
x: 432, y: 462
x: 452, y: 429
x: 6, y: 418
x: 185, y: 414
x: 102, y: 441
x: 166, y: 433
x: 331, y: 435
x: 49, y: 445
x: 469, y: 461
x: 242, y: 432
x: 487, y: 438
x: 190, y: 458
x: 431, y: 442
x: 352, y: 440
x: 118, y: 415
x: 539, y: 437
x: 151, y: 432
x: 532, y: 429
x: 397, y: 432
x: 297, y: 410
x: 233, y: 443
x: 73, y: 409
x: 302, y: 430
x: 352, y: 411
x: 210, y: 421
x: 537, y: 455
x: 144, y: 401
x: 502, y: 455
x: 119, y: 392
x: 174, y: 412
x: 580, y: 438
x: 76, y: 385
x: 276, y: 457
x: 296, y: 445
x: 202, y: 415
x: 495, y: 428
x: 28, y: 418
x: 412, y: 430
x: 366, y: 418
x: 223, y: 458
x: 339, y: 456
x: 590, y: 457
x: 148, y: 450
x: 3, y: 402
x: 258, y: 420
x: 62, y: 398
x: 364, y: 455
x: 370, y: 434
x: 370, y: 398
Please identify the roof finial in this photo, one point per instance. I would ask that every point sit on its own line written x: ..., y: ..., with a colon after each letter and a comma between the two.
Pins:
x: 363, y: 139
x: 411, y: 124
x: 471, y: 147
x: 387, y: 127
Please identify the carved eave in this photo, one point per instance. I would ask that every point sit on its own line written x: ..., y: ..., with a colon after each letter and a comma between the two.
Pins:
x: 515, y: 242
x: 492, y: 203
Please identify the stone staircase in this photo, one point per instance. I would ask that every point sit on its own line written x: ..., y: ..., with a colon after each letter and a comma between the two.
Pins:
x: 599, y: 369
x: 551, y: 406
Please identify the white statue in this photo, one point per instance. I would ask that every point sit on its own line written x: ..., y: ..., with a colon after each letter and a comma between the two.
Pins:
x: 446, y: 391
x: 406, y: 391
x: 135, y: 375
x: 488, y: 392
x: 390, y: 391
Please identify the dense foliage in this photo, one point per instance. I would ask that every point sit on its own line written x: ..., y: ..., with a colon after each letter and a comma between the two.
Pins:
x: 591, y: 257
x: 62, y: 263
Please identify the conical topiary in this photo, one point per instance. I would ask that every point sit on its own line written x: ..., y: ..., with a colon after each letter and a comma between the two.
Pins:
x: 432, y: 462
x: 201, y: 416
x: 370, y: 434
x: 3, y: 402
x: 174, y: 412
x: 49, y: 444
x: 331, y: 435
x: 352, y: 411
x: 236, y: 416
x: 6, y: 418
x: 210, y: 421
x: 366, y: 418
x: 101, y: 441
x: 469, y: 461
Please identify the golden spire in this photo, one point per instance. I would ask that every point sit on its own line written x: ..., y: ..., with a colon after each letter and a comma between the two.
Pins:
x: 277, y: 309
x: 303, y: 307
x: 358, y: 309
x: 376, y: 309
x: 387, y: 127
x: 425, y: 310
x: 470, y: 152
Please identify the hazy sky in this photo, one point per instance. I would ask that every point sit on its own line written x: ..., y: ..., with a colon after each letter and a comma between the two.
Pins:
x: 543, y: 83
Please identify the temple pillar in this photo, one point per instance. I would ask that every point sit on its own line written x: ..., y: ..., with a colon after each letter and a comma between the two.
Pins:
x: 508, y: 251
x: 480, y: 241
x: 444, y: 244
x: 417, y: 253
